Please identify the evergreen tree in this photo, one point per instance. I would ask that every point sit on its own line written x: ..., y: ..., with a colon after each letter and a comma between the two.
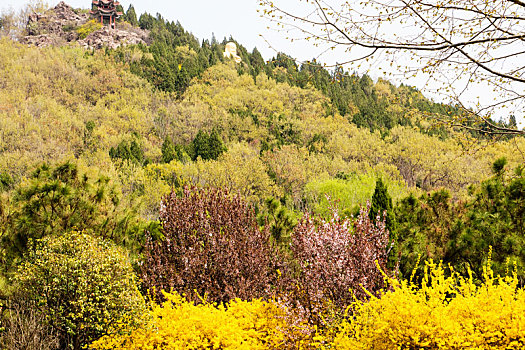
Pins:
x: 146, y: 21
x: 200, y: 145
x: 171, y: 151
x: 131, y: 16
x: 207, y: 146
x: 280, y: 219
x: 168, y: 151
x: 129, y: 150
x: 216, y: 146
x: 382, y: 202
x: 60, y: 199
x: 423, y: 228
x: 120, y: 9
x: 495, y: 218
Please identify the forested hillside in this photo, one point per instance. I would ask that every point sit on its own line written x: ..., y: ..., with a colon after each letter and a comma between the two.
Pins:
x: 127, y: 151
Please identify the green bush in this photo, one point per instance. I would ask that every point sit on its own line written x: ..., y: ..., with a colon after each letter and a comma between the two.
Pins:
x: 82, y: 284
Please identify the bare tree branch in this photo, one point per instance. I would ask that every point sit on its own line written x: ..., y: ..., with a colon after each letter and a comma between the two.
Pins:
x: 474, y: 40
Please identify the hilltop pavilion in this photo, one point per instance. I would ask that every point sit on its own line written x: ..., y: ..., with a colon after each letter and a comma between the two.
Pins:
x: 106, y: 10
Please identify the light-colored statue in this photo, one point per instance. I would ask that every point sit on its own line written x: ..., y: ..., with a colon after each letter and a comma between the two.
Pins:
x: 231, y: 51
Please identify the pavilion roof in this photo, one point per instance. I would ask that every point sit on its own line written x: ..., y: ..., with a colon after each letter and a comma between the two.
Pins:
x: 96, y: 2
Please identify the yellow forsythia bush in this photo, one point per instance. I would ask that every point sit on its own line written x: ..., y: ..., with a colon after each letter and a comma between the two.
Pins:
x: 179, y: 324
x: 445, y: 313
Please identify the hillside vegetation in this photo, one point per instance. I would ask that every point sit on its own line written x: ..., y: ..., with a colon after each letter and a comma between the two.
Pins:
x: 67, y: 103
x: 290, y: 187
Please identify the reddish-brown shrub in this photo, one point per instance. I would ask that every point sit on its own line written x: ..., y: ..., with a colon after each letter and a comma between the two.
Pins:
x: 212, y: 246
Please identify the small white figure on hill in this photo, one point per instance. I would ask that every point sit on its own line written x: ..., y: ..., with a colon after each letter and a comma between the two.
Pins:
x: 231, y: 51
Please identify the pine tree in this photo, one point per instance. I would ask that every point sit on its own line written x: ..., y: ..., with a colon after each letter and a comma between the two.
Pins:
x: 207, y: 146
x: 496, y: 218
x: 382, y: 202
x: 60, y: 199
x: 168, y: 151
x: 129, y: 150
x: 131, y: 16
x: 216, y: 145
x: 280, y: 219
x: 120, y: 9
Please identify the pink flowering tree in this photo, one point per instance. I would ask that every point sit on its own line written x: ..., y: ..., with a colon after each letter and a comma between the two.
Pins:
x: 337, y: 259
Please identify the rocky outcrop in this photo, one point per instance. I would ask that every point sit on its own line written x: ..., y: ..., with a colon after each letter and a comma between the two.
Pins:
x: 55, y: 26
x: 58, y: 26
x: 43, y: 40
x: 113, y: 38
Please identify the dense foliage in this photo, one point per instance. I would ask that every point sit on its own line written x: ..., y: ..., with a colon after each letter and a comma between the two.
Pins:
x: 59, y: 199
x: 211, y: 247
x: 254, y: 179
x: 460, y: 233
x: 83, y: 286
x: 494, y: 218
x: 448, y: 311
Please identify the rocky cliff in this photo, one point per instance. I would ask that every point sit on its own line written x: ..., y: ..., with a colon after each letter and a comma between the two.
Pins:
x: 63, y: 24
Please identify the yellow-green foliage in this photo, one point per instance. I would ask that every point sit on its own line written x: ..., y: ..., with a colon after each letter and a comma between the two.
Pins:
x: 82, y: 284
x: 349, y: 192
x: 445, y: 313
x: 240, y: 170
x: 178, y: 324
x: 48, y: 96
x: 88, y: 28
x: 62, y: 103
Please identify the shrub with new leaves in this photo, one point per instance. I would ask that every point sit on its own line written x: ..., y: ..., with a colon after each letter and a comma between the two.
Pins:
x: 212, y: 245
x: 337, y: 258
x: 82, y: 284
x: 88, y: 28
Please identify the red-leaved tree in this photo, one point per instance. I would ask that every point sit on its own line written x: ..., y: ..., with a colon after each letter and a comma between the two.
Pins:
x: 212, y: 246
x: 337, y: 259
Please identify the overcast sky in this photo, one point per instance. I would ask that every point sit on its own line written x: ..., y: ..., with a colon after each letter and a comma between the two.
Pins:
x: 240, y: 19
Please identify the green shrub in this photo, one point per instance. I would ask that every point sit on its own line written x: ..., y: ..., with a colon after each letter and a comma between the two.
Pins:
x: 82, y: 284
